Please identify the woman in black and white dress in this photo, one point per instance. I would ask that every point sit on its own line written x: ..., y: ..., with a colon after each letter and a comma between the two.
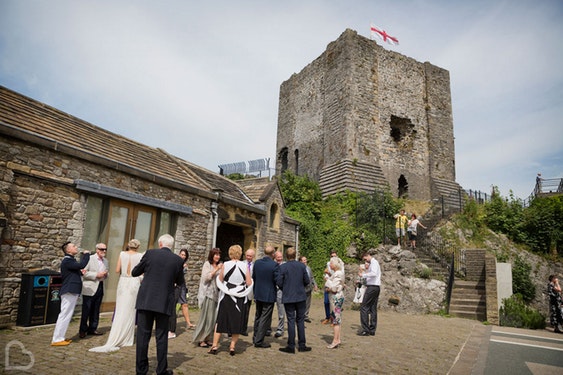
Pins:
x: 235, y: 283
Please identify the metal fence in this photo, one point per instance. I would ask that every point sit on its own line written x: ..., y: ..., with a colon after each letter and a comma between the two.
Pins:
x: 545, y: 187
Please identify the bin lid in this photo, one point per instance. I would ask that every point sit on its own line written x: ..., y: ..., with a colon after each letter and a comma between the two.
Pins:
x: 44, y: 271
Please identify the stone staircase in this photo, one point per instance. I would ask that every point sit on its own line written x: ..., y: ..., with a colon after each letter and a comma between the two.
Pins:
x: 351, y: 175
x: 468, y: 300
x: 440, y: 269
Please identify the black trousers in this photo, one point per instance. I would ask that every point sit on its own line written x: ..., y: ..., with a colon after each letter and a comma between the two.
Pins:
x: 145, y: 321
x: 368, y: 309
x: 295, y: 313
x: 91, y: 310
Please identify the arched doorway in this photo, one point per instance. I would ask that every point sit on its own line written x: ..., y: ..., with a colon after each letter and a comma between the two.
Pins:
x: 403, y: 187
x: 228, y: 235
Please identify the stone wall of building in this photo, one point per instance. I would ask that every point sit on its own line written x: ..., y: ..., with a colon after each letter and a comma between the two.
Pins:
x: 44, y: 210
x: 358, y: 101
x: 282, y: 234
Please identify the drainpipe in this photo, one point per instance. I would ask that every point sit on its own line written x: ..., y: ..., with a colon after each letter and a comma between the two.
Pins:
x: 297, y: 240
x: 214, y: 206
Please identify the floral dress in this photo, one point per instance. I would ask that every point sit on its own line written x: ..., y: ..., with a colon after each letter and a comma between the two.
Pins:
x: 335, y: 286
x: 555, y: 315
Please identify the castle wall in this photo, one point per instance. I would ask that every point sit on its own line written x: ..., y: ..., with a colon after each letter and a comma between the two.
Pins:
x: 358, y: 101
x: 440, y: 123
x: 300, y: 108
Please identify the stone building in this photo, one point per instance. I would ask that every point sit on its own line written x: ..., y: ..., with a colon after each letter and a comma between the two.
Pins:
x: 360, y: 117
x: 65, y: 179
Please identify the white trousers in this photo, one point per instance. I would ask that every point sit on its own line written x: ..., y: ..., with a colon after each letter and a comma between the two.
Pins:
x: 68, y: 303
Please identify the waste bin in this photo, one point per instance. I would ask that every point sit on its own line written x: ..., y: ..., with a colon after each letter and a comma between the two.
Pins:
x: 40, y: 301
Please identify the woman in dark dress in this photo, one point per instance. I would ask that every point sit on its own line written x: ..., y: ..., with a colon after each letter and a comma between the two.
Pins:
x: 235, y: 283
x: 554, y: 293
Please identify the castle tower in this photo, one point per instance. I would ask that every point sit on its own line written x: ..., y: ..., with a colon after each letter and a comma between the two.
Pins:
x: 360, y: 117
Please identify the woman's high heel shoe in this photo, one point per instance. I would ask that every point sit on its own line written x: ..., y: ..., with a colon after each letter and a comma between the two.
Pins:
x: 232, y: 351
x: 213, y: 350
x: 334, y: 345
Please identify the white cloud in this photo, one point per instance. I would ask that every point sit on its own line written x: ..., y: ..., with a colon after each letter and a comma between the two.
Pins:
x: 201, y: 79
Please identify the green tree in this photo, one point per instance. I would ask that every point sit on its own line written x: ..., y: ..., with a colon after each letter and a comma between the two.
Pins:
x: 543, y: 225
x: 505, y: 215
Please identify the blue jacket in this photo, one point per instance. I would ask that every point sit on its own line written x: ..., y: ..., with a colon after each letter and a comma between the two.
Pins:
x: 162, y: 270
x: 71, y: 274
x: 292, y: 280
x: 264, y: 275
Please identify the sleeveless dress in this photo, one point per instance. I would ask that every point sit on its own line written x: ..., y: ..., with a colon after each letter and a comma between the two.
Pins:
x: 123, y: 327
x: 232, y: 298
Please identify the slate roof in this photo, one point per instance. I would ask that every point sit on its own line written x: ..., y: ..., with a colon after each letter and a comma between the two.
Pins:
x: 29, y: 119
x: 257, y: 189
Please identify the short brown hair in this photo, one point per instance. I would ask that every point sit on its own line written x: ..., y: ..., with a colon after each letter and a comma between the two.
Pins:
x: 290, y: 253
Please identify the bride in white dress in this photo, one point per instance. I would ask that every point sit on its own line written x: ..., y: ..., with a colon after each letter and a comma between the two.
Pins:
x: 123, y: 327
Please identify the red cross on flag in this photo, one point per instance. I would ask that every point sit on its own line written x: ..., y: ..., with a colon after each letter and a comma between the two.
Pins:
x: 382, y: 34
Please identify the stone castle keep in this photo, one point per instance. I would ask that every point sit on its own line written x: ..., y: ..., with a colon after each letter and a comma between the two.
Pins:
x: 360, y: 117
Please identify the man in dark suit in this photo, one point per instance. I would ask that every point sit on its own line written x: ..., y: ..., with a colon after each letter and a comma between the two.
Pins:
x: 162, y: 270
x: 71, y: 273
x: 292, y: 280
x: 264, y: 276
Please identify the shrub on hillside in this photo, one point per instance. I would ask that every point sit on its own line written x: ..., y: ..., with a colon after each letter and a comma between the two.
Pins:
x: 521, y: 281
x: 515, y: 313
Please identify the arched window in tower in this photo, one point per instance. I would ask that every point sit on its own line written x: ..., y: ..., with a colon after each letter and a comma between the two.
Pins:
x: 403, y: 187
x: 283, y: 159
x: 274, y: 217
x: 297, y: 162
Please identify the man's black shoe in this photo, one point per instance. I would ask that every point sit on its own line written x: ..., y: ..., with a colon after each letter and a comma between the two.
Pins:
x: 364, y: 333
x: 263, y: 345
x: 308, y: 320
x: 372, y: 333
x: 81, y: 334
x: 305, y: 349
x: 287, y: 350
x: 96, y: 333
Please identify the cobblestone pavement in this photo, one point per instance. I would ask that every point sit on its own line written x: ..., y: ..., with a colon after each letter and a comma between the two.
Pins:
x: 403, y: 344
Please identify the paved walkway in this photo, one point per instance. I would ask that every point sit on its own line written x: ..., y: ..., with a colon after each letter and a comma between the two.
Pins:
x: 403, y: 344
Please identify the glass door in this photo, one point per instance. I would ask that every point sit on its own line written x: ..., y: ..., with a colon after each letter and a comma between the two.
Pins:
x: 125, y: 222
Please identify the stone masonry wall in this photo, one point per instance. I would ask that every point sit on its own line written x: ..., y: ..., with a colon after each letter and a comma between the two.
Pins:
x: 44, y: 210
x: 491, y: 289
x: 346, y: 103
x: 277, y: 236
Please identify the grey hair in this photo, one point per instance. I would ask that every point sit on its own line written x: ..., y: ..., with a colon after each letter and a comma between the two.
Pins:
x: 166, y: 240
x: 336, y: 262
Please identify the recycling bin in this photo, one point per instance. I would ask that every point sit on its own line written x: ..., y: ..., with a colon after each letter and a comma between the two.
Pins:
x: 40, y: 300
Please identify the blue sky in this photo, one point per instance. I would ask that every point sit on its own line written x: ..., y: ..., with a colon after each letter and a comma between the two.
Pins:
x: 201, y: 79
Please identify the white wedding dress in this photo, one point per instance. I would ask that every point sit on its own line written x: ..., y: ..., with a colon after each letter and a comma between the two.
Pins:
x: 123, y: 326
